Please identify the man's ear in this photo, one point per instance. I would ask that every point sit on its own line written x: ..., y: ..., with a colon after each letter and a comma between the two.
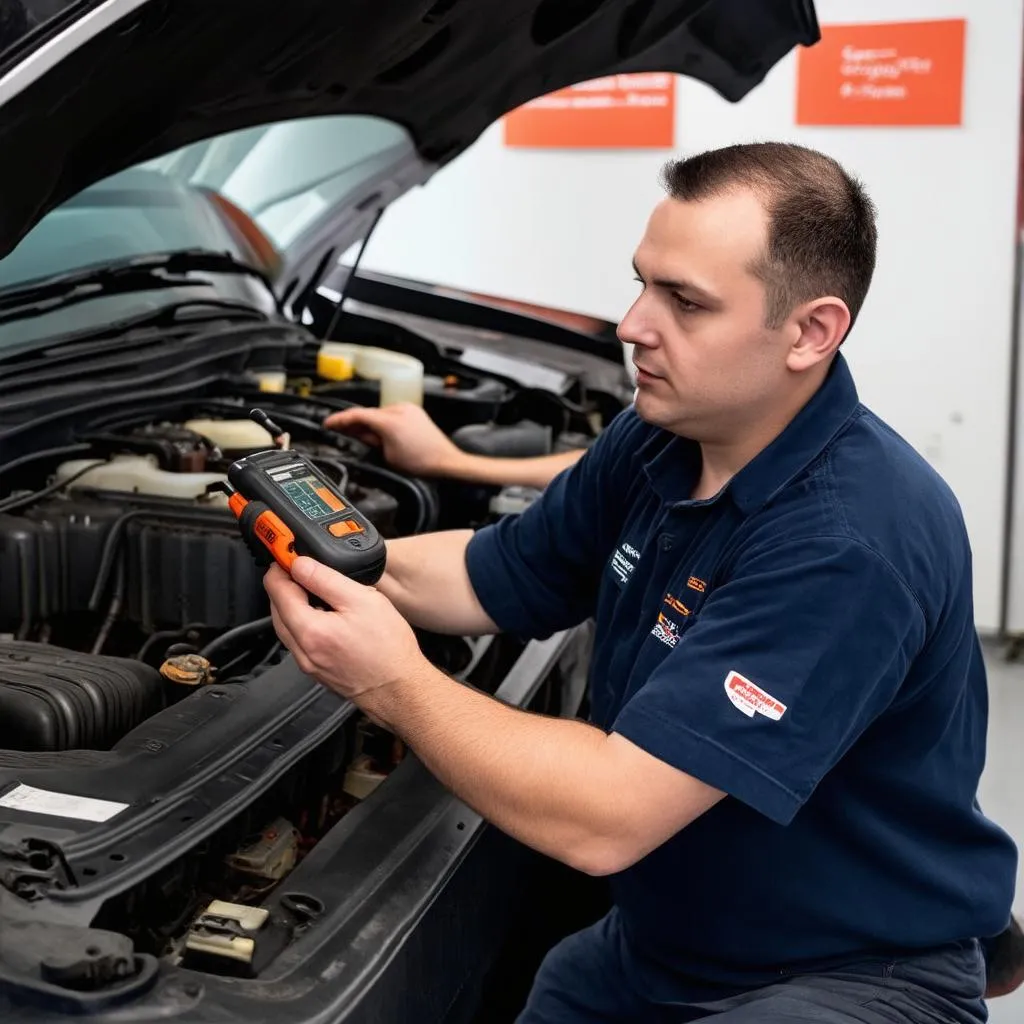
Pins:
x: 822, y: 325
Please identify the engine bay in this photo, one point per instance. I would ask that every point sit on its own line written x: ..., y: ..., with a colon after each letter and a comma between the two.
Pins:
x: 134, y: 629
x: 132, y: 553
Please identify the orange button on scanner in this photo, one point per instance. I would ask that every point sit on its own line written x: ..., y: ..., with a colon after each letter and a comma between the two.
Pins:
x: 344, y: 528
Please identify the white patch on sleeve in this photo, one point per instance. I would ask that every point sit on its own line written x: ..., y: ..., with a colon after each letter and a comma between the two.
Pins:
x: 751, y: 699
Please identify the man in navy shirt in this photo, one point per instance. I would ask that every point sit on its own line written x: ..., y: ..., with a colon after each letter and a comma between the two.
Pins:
x: 788, y: 694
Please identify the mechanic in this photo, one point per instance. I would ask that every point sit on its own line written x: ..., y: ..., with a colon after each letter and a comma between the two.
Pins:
x: 412, y: 442
x: 788, y: 692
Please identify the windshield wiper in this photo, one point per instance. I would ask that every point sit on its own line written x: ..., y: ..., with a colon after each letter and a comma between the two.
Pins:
x: 140, y: 273
x: 173, y: 322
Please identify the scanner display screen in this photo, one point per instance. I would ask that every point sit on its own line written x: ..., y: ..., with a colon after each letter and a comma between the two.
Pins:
x: 309, y: 496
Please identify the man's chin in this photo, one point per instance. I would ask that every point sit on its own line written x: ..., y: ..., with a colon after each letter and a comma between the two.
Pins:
x: 650, y: 409
x: 661, y: 413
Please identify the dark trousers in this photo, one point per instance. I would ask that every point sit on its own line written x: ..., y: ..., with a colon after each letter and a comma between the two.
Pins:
x: 593, y: 977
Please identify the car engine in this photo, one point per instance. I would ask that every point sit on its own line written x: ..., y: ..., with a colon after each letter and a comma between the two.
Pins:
x: 131, y: 552
x: 128, y: 599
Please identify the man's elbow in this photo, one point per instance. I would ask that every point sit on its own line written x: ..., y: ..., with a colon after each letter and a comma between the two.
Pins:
x: 608, y: 853
x: 601, y: 857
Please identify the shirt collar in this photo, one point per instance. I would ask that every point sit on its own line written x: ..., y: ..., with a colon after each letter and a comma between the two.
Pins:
x: 809, y: 433
x: 673, y: 468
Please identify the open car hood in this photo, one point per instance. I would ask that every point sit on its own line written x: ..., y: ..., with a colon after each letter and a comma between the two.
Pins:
x: 91, y: 87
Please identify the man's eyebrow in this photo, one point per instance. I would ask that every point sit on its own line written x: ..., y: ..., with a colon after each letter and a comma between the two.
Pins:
x: 678, y: 285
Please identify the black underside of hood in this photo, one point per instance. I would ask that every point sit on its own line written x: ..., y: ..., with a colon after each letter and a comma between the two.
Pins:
x: 175, y: 71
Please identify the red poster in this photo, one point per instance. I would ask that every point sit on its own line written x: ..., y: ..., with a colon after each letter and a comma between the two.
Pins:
x: 617, y: 112
x: 901, y: 73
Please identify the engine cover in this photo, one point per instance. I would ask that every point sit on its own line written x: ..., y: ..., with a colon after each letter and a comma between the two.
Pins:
x: 180, y: 574
x: 183, y: 563
x: 53, y: 699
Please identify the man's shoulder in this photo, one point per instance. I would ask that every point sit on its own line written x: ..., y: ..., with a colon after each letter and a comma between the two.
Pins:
x: 868, y: 473
x: 878, y: 473
x: 871, y: 488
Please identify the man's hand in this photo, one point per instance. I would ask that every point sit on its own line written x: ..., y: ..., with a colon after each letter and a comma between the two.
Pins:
x: 410, y: 439
x: 363, y: 644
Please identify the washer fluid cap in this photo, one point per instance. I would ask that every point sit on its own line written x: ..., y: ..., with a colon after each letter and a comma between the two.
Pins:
x: 336, y: 361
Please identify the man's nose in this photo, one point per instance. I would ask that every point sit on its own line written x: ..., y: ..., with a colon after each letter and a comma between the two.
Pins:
x: 635, y: 328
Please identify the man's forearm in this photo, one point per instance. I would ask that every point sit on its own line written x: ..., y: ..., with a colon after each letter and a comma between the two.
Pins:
x: 427, y: 581
x: 537, y: 471
x: 544, y: 781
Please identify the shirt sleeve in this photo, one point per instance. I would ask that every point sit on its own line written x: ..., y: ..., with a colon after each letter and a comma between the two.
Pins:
x: 786, y: 664
x: 537, y: 573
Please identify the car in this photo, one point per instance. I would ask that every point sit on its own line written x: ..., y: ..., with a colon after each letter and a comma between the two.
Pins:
x: 190, y: 828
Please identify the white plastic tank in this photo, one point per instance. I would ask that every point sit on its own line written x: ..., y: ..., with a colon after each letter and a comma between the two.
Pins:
x: 273, y: 381
x: 233, y: 435
x: 400, y: 376
x: 139, y: 474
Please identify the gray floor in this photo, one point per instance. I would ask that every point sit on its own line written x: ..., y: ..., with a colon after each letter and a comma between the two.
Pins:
x: 1002, y: 788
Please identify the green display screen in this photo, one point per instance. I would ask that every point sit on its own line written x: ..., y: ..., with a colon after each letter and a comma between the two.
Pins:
x: 307, y: 494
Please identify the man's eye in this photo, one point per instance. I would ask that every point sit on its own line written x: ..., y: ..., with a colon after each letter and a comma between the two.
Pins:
x: 685, y: 304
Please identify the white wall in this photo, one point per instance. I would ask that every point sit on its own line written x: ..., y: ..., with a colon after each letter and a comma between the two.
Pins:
x: 931, y: 351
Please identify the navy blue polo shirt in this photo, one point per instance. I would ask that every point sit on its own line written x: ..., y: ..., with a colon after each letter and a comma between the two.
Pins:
x: 803, y: 641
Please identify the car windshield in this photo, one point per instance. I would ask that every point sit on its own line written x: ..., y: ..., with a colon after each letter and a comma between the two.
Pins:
x: 285, y: 176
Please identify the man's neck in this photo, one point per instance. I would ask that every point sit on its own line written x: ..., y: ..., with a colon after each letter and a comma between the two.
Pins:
x: 719, y: 464
x: 722, y: 460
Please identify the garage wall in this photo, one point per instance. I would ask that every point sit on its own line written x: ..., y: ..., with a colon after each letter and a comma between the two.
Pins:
x: 932, y: 349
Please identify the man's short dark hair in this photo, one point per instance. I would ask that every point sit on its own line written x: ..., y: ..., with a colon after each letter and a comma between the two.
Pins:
x: 821, y: 231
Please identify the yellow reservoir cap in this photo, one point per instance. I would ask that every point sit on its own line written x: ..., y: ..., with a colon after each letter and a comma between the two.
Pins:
x: 336, y: 361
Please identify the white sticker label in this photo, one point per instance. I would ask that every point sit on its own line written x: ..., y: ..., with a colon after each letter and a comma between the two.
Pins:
x: 622, y: 566
x: 751, y: 699
x: 60, y: 805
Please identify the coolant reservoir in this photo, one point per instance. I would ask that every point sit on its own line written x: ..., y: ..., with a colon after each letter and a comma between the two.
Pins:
x: 139, y: 474
x: 400, y: 376
x: 233, y: 435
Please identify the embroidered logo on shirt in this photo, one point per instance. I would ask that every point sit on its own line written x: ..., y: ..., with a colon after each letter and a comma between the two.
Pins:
x: 695, y: 584
x: 666, y: 630
x: 676, y: 605
x: 751, y: 699
x: 624, y: 562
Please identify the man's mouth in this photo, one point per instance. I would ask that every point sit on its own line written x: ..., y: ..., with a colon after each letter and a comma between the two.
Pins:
x: 645, y: 375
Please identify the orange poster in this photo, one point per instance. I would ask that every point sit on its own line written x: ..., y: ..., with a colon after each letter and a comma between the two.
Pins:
x: 902, y: 73
x: 616, y: 112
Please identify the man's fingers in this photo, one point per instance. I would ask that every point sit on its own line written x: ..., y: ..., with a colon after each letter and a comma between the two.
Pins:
x: 341, y: 420
x: 291, y: 603
x: 285, y: 636
x: 297, y: 624
x: 337, y: 590
x: 356, y: 418
x: 355, y: 424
